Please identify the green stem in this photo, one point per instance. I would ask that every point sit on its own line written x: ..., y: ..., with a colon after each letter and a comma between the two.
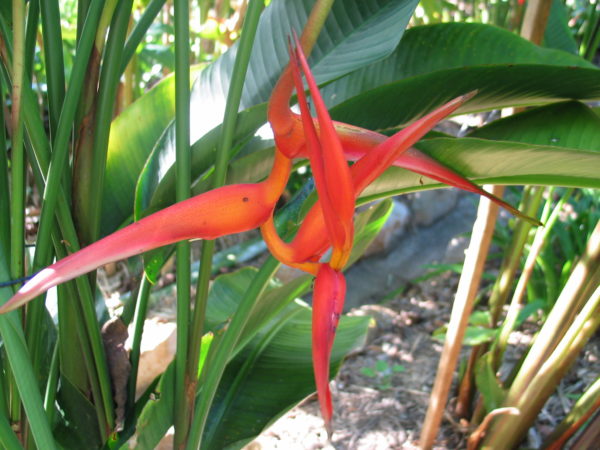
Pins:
x: 4, y: 184
x: 60, y: 153
x: 52, y: 192
x: 138, y: 33
x: 507, y: 431
x: 583, y: 409
x: 134, y: 355
x: 84, y: 337
x: 234, y: 96
x: 17, y: 252
x: 8, y: 438
x: 17, y: 205
x: 531, y: 201
x: 41, y: 168
x: 109, y: 81
x: 85, y: 126
x: 18, y: 356
x: 183, y: 163
x: 565, y: 308
x: 54, y: 61
x: 52, y: 384
x: 225, y: 348
x: 539, y: 240
x: 33, y: 20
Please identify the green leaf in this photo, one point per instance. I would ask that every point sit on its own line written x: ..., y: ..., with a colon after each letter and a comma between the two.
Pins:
x: 488, y: 384
x: 79, y: 429
x: 435, y: 63
x: 480, y: 318
x: 566, y: 124
x: 368, y: 224
x: 157, y: 415
x: 357, y: 32
x: 474, y: 335
x: 15, y: 347
x: 133, y: 134
x: 368, y: 372
x: 397, y: 368
x: 558, y: 34
x: 570, y: 157
x: 8, y: 438
x: 381, y: 366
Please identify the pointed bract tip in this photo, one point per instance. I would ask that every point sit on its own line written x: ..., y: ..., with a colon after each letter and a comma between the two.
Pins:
x: 329, y: 429
x: 469, y: 95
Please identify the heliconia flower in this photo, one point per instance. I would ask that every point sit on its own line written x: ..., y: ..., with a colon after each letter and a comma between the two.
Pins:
x: 337, y: 187
x: 309, y: 243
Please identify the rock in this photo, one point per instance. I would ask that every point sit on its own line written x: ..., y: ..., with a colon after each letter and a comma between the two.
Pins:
x: 375, y: 277
x: 455, y: 250
x: 393, y: 229
x: 429, y: 206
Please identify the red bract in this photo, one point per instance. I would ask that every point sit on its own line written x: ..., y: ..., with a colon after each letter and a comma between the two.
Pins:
x: 328, y: 303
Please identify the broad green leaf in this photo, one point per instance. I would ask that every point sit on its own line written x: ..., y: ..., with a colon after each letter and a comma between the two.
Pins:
x: 558, y: 34
x: 494, y: 162
x: 499, y: 86
x: 565, y: 124
x: 79, y: 429
x: 435, y: 63
x: 569, y: 155
x: 356, y: 33
x: 133, y: 134
x: 456, y: 58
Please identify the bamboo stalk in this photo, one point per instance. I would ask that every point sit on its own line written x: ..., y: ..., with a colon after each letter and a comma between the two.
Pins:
x: 583, y: 409
x: 515, y: 305
x: 507, y: 431
x: 468, y: 286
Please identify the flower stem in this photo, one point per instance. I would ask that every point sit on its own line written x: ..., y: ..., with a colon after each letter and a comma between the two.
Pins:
x: 182, y: 411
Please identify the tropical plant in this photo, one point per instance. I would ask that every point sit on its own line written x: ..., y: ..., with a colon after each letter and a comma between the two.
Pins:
x: 246, y: 332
